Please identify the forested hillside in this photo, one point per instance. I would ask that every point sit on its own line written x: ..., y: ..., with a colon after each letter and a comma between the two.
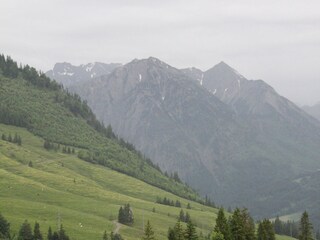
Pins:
x: 30, y: 99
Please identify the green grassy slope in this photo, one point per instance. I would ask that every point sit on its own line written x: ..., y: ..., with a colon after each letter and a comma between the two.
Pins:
x: 83, y: 194
x: 86, y: 196
x: 45, y: 114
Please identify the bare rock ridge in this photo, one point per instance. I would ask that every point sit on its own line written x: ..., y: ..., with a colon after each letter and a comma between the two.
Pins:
x: 227, y: 136
x: 69, y: 74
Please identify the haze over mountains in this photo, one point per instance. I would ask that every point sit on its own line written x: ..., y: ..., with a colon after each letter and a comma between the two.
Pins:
x: 229, y: 137
x: 313, y: 110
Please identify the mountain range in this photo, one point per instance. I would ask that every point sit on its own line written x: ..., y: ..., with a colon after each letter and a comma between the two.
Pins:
x: 234, y: 139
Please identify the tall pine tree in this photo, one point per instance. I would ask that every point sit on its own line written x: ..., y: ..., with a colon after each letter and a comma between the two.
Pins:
x: 190, y: 232
x: 36, y: 232
x: 305, y: 228
x: 4, y: 228
x: 25, y: 232
x: 148, y: 232
x: 222, y: 225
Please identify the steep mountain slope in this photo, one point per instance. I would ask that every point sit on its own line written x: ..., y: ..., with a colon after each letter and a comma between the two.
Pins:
x: 230, y: 141
x: 68, y: 74
x: 32, y: 101
x: 158, y: 108
x: 84, y: 197
x: 278, y: 125
x: 313, y: 110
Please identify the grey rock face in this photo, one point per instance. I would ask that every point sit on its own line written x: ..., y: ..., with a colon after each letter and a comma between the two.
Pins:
x: 231, y: 144
x: 68, y: 74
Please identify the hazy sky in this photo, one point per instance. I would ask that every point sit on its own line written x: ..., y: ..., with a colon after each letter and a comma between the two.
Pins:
x: 277, y: 41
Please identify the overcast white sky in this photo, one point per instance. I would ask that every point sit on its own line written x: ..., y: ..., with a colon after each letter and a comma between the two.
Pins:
x: 274, y: 40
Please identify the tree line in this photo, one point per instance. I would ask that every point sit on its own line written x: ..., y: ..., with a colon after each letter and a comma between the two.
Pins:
x: 168, y: 202
x: 238, y: 226
x: 15, y: 139
x: 288, y: 228
x: 26, y: 232
x: 48, y: 145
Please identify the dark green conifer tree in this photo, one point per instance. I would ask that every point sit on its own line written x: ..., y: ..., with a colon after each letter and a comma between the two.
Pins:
x: 190, y: 232
x: 49, y: 235
x: 62, y: 234
x: 222, y: 225
x: 55, y: 236
x: 178, y: 203
x: 248, y: 224
x: 171, y: 234
x: 181, y: 216
x: 306, y: 229
x: 265, y: 230
x: 187, y: 218
x: 178, y: 231
x: 148, y: 232
x: 121, y: 217
x: 237, y: 226
x: 36, y: 232
x: 10, y: 137
x: 25, y: 232
x: 4, y: 228
x: 278, y: 225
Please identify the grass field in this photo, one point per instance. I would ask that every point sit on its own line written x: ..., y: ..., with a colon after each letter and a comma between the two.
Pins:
x: 84, y: 197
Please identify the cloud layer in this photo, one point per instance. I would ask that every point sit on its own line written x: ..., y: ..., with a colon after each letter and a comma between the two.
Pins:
x: 278, y: 41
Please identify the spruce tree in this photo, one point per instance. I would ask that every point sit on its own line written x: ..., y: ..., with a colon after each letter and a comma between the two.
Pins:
x: 36, y: 232
x: 55, y: 236
x: 237, y: 226
x: 265, y: 230
x: 305, y: 228
x: 278, y: 226
x: 190, y: 232
x: 62, y: 234
x: 49, y: 235
x: 187, y: 218
x: 178, y: 231
x: 171, y: 234
x: 148, y: 232
x: 181, y: 216
x: 248, y: 224
x: 10, y: 137
x: 4, y: 228
x: 222, y: 225
x: 25, y: 232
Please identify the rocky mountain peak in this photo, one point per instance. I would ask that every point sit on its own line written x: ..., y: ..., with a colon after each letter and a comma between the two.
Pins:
x: 69, y: 74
